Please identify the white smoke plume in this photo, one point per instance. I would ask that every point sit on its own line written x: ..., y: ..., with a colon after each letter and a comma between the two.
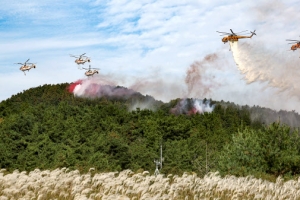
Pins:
x: 97, y: 88
x: 192, y: 106
x: 259, y: 64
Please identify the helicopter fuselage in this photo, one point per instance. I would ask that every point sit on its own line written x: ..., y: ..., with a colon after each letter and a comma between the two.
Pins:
x: 81, y: 61
x: 295, y: 46
x: 91, y: 72
x: 234, y: 38
x: 27, y: 67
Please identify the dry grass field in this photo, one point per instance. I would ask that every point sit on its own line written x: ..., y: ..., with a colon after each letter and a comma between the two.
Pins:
x: 64, y: 184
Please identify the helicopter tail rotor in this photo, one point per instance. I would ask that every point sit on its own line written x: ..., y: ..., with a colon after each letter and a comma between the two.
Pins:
x: 253, y: 33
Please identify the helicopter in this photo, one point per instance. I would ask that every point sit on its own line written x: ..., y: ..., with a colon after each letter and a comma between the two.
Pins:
x: 26, y: 67
x: 296, y: 44
x: 232, y: 37
x: 91, y: 72
x: 81, y: 59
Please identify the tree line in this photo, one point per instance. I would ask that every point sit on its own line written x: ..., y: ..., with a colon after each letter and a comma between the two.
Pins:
x: 47, y: 127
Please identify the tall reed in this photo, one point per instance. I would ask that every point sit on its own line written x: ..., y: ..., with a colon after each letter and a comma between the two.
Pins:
x: 63, y: 184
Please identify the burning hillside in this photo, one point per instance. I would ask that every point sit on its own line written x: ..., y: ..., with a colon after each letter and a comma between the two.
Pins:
x: 192, y: 106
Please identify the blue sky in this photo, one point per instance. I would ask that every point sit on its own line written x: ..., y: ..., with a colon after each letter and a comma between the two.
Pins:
x: 147, y: 45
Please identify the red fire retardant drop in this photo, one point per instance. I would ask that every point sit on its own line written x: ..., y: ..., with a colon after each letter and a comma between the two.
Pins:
x: 73, y: 85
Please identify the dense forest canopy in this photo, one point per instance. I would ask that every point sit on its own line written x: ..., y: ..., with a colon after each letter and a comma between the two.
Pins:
x: 47, y: 127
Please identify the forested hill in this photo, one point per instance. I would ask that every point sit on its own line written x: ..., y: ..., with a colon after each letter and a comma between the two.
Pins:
x: 58, y: 93
x: 47, y: 127
x: 267, y: 115
x: 54, y: 94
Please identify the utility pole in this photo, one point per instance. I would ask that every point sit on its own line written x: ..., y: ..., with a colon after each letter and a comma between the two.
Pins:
x: 206, y: 168
x: 161, y: 158
x: 158, y: 163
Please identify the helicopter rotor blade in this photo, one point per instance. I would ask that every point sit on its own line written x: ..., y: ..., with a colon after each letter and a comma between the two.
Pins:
x: 82, y: 55
x: 292, y: 40
x: 224, y: 33
x: 232, y: 32
x: 26, y: 61
x: 241, y: 31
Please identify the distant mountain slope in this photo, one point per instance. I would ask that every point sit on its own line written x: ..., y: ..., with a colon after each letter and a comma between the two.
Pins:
x: 267, y: 115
